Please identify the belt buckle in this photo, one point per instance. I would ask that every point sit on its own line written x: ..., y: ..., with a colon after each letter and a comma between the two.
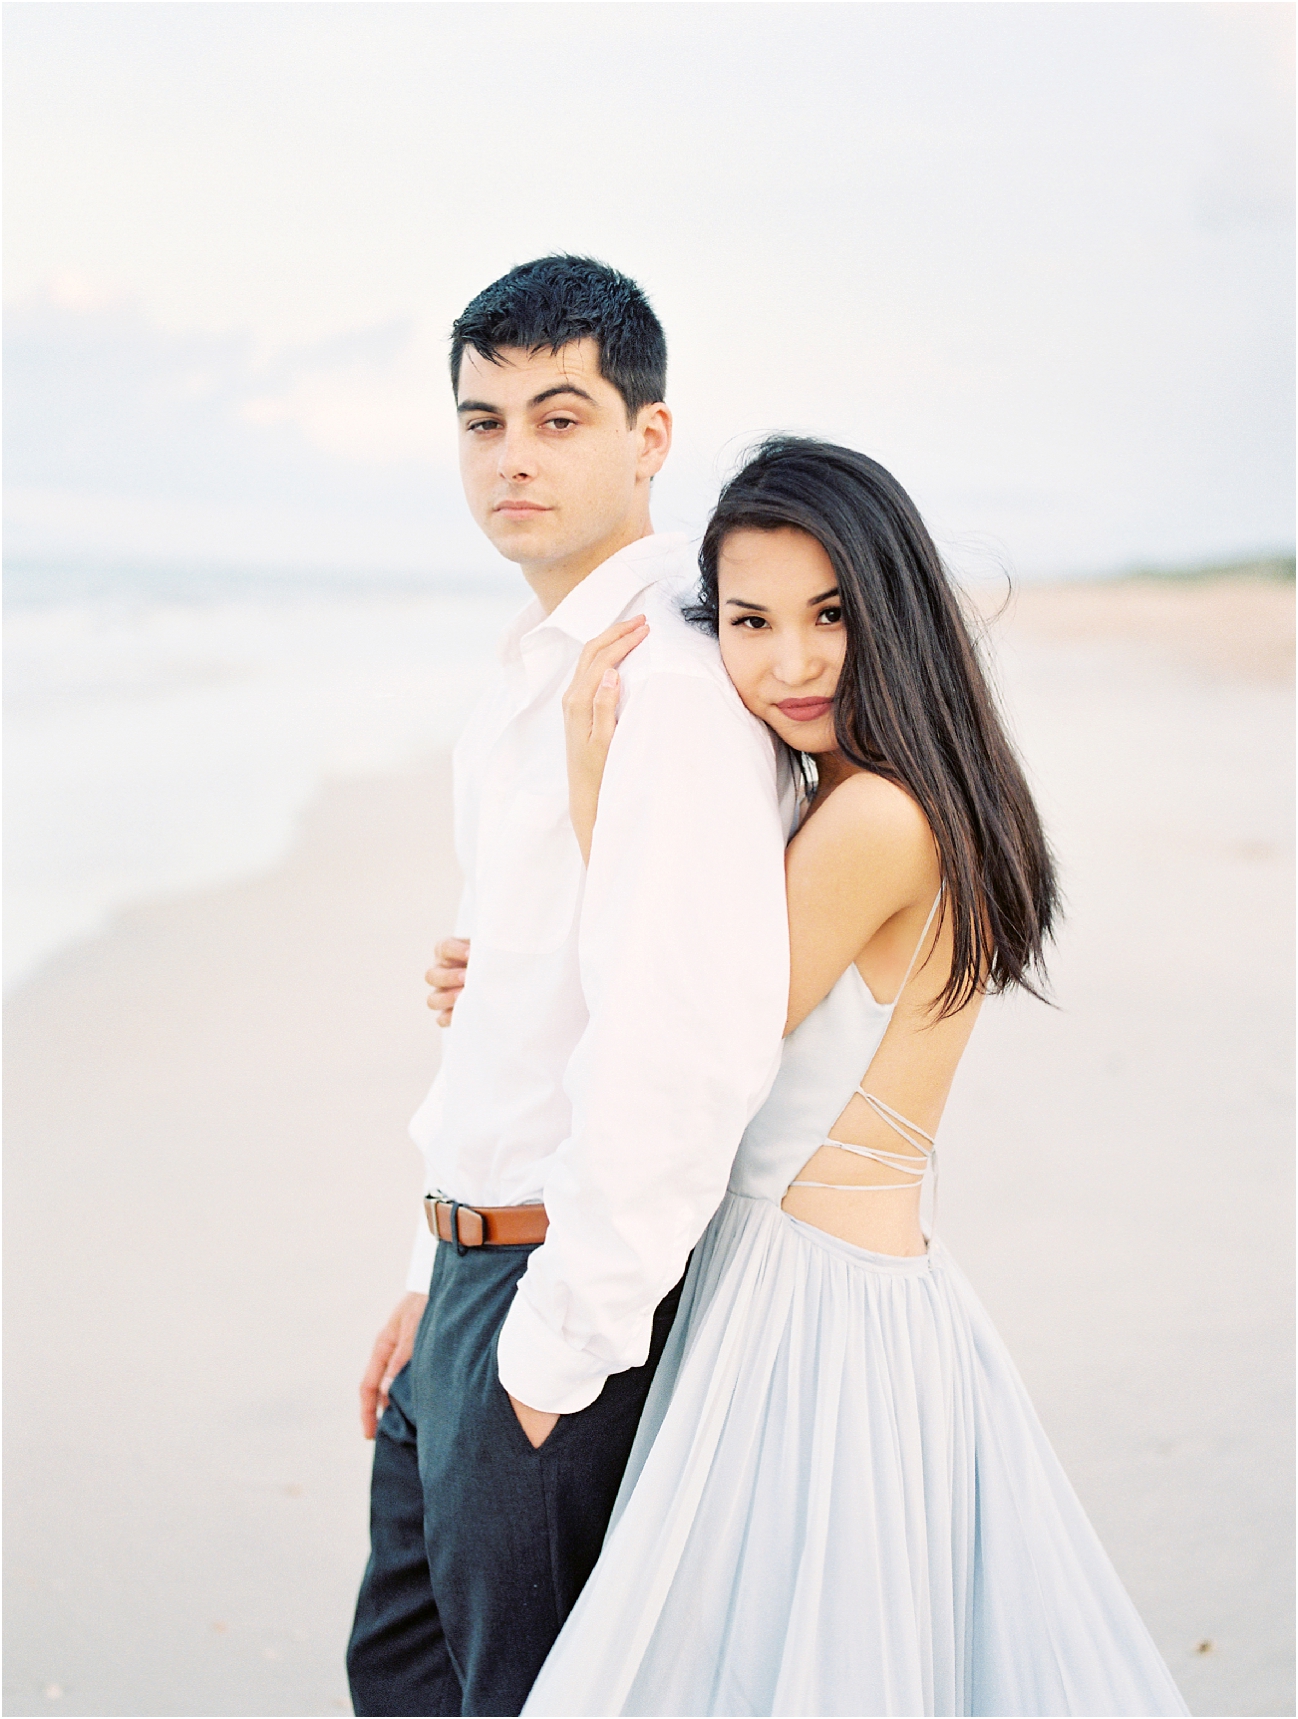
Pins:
x: 462, y: 1247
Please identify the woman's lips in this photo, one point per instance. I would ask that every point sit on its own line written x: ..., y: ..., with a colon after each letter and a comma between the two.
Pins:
x: 806, y: 709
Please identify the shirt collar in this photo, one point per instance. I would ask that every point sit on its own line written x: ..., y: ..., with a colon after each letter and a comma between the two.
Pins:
x: 602, y: 595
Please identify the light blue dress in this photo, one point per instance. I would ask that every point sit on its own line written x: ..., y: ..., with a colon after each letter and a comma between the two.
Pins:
x: 840, y: 1499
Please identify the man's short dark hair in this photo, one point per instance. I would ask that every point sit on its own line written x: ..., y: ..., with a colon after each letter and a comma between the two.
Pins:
x: 556, y: 300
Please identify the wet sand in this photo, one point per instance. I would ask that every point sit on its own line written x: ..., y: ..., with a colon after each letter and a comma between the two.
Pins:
x: 210, y: 1194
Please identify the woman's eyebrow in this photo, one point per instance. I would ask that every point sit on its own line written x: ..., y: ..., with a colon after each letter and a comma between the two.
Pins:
x: 743, y: 603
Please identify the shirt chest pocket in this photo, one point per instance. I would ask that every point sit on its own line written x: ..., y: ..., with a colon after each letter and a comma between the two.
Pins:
x: 528, y: 874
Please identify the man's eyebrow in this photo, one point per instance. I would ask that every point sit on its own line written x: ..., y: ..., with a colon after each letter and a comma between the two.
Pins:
x: 536, y: 400
x: 561, y: 388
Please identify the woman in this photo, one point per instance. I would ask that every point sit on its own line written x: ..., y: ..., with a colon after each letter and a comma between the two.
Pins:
x: 840, y: 1500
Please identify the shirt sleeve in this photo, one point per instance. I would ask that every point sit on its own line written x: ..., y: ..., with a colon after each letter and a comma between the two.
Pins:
x: 423, y: 1127
x: 684, y: 960
x: 422, y: 1255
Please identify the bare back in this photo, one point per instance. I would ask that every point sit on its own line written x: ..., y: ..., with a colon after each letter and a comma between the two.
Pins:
x: 863, y: 870
x: 909, y: 1079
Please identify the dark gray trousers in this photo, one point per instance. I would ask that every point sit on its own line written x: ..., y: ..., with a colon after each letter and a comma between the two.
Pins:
x: 479, y: 1544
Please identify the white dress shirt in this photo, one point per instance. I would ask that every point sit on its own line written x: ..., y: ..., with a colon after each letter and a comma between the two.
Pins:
x: 619, y: 1026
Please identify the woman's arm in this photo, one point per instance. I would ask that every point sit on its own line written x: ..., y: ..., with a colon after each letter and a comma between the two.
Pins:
x: 861, y: 875
x: 589, y: 718
x: 851, y: 874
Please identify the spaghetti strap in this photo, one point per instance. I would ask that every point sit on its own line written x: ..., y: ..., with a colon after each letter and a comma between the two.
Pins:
x: 910, y: 968
x: 923, y: 1148
x: 913, y: 1164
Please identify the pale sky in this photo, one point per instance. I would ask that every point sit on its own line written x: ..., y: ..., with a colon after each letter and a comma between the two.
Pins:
x: 1037, y: 258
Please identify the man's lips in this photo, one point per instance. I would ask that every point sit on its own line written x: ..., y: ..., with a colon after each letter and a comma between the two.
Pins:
x: 519, y: 507
x: 806, y: 709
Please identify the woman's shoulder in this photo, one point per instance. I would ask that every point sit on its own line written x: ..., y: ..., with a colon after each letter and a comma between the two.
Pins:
x: 868, y: 821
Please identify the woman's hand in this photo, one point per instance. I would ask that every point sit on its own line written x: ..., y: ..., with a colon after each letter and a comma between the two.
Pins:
x: 589, y: 718
x: 446, y: 976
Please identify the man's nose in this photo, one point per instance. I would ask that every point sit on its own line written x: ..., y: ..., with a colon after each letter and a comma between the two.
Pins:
x: 516, y: 456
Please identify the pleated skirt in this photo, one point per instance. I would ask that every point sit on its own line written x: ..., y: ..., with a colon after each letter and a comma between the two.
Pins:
x: 841, y: 1501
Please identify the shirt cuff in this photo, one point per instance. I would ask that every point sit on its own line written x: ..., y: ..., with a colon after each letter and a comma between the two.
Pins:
x: 420, y: 1275
x: 540, y: 1369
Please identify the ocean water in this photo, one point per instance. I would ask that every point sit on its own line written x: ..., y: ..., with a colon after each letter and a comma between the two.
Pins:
x: 164, y: 732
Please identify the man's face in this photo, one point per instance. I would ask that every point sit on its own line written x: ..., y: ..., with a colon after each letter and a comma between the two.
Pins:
x: 552, y: 469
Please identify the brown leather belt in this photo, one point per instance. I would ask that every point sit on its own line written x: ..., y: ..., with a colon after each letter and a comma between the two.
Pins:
x: 485, y: 1226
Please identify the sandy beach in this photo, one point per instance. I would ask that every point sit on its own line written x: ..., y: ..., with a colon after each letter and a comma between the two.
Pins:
x: 210, y: 1193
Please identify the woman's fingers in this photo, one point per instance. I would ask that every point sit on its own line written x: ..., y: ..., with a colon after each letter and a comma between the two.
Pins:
x: 447, y: 977
x: 610, y: 636
x: 597, y: 659
x: 616, y: 652
x: 450, y: 961
x: 603, y: 719
x: 590, y: 720
x: 612, y: 651
x: 611, y: 645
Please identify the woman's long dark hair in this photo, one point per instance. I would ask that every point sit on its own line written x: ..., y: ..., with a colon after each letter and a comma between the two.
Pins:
x: 913, y: 703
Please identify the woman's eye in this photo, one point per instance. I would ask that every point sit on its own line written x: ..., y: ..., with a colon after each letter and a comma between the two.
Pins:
x: 754, y: 623
x: 831, y: 617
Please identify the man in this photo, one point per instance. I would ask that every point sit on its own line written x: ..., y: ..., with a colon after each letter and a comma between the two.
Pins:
x: 617, y: 1028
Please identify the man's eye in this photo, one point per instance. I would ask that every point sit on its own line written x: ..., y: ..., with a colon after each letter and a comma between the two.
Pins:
x: 560, y: 423
x: 478, y: 424
x: 831, y: 617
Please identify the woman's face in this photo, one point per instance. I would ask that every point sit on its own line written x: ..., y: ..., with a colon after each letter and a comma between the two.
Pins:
x: 782, y: 633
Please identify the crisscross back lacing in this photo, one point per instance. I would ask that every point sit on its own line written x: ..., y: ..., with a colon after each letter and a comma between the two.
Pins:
x: 914, y: 1167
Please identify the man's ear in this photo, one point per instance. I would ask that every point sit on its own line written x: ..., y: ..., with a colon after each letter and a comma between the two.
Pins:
x: 653, y: 427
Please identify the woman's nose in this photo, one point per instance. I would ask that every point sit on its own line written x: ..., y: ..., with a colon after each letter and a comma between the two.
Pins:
x: 796, y: 665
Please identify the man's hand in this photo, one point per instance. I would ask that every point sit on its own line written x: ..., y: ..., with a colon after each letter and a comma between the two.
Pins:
x: 393, y: 1347
x: 446, y: 976
x: 536, y: 1423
